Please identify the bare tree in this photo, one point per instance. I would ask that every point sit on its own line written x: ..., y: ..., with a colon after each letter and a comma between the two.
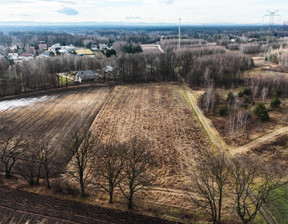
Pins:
x: 110, y: 165
x: 29, y: 166
x: 237, y: 121
x: 137, y: 165
x: 209, y: 98
x: 211, y: 177
x: 253, y: 182
x: 11, y: 148
x: 47, y: 159
x: 80, y: 148
x: 264, y: 94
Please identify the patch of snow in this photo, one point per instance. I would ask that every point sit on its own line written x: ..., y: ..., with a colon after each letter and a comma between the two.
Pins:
x: 11, y: 104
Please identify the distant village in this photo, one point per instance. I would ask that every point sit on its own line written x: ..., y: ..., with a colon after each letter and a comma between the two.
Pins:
x: 16, y: 55
x: 43, y: 51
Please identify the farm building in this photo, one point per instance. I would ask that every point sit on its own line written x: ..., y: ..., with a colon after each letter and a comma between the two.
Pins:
x: 84, y: 76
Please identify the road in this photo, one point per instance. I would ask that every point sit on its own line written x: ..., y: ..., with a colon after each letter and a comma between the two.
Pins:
x: 260, y: 141
x: 219, y: 144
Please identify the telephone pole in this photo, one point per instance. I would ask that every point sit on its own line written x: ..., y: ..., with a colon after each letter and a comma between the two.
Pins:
x: 179, y: 35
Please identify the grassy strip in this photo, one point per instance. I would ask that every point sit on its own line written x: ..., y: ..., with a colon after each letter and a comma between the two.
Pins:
x: 279, y: 207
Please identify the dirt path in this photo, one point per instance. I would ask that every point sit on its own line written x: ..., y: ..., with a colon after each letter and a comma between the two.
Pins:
x: 220, y: 145
x: 24, y: 207
x: 260, y: 141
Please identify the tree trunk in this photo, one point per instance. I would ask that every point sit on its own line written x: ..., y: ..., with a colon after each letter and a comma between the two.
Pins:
x: 82, y: 189
x: 39, y: 172
x: 111, y: 197
x: 7, y: 174
x: 130, y: 203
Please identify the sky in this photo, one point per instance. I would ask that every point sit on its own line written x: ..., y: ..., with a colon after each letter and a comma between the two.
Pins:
x: 146, y: 11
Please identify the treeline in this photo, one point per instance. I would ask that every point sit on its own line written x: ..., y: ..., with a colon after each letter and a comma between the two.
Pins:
x: 278, y: 56
x: 171, y: 44
x: 195, y: 65
x: 224, y: 69
x: 40, y: 74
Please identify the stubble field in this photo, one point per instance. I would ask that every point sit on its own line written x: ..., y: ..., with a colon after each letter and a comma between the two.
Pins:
x: 155, y: 113
x: 55, y: 117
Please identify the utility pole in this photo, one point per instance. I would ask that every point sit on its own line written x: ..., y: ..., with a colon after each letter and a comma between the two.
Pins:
x: 272, y: 16
x: 179, y: 35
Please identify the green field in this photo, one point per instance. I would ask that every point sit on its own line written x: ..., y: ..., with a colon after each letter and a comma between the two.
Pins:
x: 279, y: 207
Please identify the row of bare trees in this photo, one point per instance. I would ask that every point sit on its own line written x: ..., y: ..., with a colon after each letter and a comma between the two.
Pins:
x: 245, y: 182
x: 121, y: 165
x: 30, y: 158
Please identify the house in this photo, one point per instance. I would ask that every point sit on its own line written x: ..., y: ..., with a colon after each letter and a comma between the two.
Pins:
x: 42, y: 47
x: 102, y: 47
x: 55, y: 48
x: 94, y: 48
x: 27, y: 56
x: 84, y: 76
x: 12, y: 56
x: 45, y: 54
x: 13, y: 47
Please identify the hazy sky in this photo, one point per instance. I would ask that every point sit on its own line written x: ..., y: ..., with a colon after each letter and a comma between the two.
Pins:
x: 191, y: 11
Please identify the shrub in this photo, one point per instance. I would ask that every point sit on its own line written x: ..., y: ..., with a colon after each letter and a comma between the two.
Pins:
x: 223, y: 111
x: 240, y: 94
x: 247, y: 99
x: 62, y: 186
x: 261, y: 112
x: 247, y: 91
x: 231, y: 97
x: 278, y: 93
x: 275, y: 102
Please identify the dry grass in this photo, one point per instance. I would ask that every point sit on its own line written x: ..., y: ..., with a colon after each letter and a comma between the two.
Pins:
x: 255, y: 128
x: 160, y: 115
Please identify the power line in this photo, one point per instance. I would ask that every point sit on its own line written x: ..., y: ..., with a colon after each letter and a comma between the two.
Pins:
x: 272, y: 15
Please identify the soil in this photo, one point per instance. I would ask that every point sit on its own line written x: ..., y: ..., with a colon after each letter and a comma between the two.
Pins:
x: 18, y: 206
x: 53, y: 119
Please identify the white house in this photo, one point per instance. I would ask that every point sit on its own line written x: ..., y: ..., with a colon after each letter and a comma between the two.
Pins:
x: 84, y: 76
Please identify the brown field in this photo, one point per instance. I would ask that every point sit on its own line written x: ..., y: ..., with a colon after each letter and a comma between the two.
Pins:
x: 160, y: 115
x: 156, y: 113
x: 150, y: 48
x: 53, y: 119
